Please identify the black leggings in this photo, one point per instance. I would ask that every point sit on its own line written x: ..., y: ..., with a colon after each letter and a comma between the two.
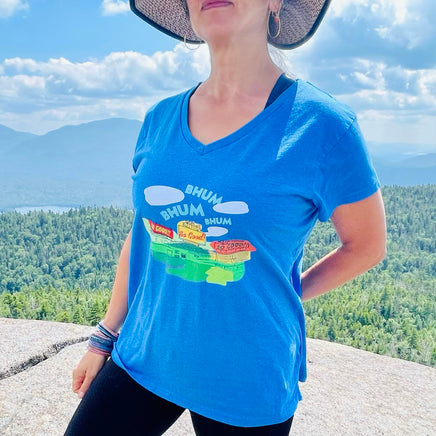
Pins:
x: 115, y: 405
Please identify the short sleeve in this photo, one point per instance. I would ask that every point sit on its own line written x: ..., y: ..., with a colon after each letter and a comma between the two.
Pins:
x: 346, y: 173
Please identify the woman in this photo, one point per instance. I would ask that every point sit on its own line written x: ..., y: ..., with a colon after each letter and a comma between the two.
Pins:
x: 230, y: 178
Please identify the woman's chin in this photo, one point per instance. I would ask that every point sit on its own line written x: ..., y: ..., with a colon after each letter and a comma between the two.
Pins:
x: 216, y: 34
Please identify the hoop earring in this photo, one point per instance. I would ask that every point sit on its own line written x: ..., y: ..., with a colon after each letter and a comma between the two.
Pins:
x: 276, y: 19
x: 187, y: 46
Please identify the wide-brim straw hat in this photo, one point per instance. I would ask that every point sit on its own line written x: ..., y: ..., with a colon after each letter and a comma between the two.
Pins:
x: 299, y: 20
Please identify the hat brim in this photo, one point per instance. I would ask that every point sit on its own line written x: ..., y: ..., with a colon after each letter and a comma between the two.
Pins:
x: 300, y: 19
x: 313, y: 26
x: 155, y: 13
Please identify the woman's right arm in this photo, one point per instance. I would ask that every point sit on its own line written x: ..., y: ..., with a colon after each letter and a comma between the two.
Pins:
x: 91, y: 363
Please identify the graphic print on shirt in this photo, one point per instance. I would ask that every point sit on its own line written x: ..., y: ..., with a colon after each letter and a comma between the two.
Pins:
x: 184, y: 249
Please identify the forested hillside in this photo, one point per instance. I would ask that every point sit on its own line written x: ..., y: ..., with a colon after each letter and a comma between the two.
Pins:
x: 391, y: 309
x: 73, y: 250
x: 61, y: 266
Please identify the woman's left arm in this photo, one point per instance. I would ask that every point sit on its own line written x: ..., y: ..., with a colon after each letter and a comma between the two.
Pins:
x: 361, y: 228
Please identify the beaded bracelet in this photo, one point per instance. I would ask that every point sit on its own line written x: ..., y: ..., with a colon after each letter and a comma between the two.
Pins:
x: 102, y: 341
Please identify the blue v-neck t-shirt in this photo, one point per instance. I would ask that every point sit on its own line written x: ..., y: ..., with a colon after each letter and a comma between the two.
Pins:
x: 215, y: 320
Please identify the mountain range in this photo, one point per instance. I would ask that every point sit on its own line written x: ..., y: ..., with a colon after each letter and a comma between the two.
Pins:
x: 84, y: 165
x: 90, y: 165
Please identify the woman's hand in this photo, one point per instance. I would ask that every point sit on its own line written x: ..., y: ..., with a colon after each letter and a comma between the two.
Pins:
x: 91, y: 363
x: 85, y: 372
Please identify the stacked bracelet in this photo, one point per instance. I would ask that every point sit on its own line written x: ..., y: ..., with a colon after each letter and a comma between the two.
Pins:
x: 102, y: 341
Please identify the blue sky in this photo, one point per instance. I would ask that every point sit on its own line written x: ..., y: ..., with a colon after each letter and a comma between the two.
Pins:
x: 69, y: 62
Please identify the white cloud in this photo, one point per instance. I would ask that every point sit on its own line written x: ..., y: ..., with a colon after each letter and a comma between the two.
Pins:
x: 397, y: 32
x: 375, y: 55
x: 232, y: 208
x: 399, y: 127
x: 378, y: 56
x: 158, y: 195
x: 121, y: 84
x: 10, y: 7
x: 118, y: 75
x: 115, y: 7
x: 216, y: 231
x: 378, y: 86
x: 40, y: 120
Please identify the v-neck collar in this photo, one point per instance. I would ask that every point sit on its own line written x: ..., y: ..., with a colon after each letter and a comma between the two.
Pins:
x: 287, y: 96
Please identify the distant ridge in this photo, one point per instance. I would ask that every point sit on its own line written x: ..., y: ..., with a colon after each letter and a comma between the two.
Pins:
x: 404, y: 164
x: 422, y: 161
x: 84, y: 165
x: 90, y: 165
x: 9, y: 138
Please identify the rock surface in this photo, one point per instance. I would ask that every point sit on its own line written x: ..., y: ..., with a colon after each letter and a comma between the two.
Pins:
x: 25, y: 343
x: 348, y: 392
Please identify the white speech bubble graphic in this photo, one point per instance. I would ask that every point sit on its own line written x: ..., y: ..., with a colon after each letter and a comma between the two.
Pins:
x: 232, y: 207
x: 159, y: 195
x: 216, y: 231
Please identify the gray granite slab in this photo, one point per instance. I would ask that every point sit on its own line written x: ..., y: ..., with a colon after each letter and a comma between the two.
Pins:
x: 39, y: 401
x: 24, y: 343
x: 353, y: 392
x: 348, y: 392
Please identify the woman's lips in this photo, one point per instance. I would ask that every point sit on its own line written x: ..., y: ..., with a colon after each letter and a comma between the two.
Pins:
x: 215, y: 4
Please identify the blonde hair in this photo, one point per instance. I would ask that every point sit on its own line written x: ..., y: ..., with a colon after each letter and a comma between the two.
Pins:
x: 280, y: 59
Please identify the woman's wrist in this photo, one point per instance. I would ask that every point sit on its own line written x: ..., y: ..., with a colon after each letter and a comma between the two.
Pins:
x: 105, y: 329
x: 110, y: 326
x: 102, y: 340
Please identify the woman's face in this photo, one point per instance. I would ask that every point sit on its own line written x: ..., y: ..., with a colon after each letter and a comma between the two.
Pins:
x: 226, y: 20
